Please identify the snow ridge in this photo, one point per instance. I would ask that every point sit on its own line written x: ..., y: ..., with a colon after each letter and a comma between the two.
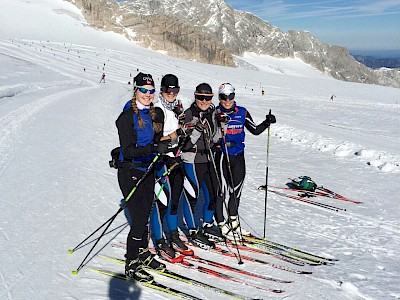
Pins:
x: 379, y: 159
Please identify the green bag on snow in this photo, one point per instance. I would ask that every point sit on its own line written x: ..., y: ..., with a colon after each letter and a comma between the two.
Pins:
x: 303, y: 183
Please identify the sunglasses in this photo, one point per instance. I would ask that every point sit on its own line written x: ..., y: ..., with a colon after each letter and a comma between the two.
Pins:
x: 204, y: 97
x: 231, y: 96
x: 168, y: 90
x: 144, y: 90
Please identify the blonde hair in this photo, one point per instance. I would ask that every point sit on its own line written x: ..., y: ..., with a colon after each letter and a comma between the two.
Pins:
x: 156, y: 126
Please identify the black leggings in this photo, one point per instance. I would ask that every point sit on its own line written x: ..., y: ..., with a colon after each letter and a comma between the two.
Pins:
x: 227, y: 194
x: 139, y: 206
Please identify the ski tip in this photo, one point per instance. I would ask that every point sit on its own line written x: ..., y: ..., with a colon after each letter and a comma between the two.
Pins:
x: 74, y: 272
x: 70, y: 251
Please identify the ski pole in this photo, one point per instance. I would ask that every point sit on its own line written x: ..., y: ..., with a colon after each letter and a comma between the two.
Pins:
x: 123, y: 206
x: 266, y: 179
x: 210, y: 157
x: 234, y: 195
x: 109, y: 221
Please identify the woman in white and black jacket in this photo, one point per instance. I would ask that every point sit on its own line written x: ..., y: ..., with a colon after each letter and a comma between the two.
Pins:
x: 170, y: 187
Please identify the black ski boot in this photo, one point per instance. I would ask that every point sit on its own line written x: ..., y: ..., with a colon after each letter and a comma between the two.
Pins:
x: 213, y: 233
x: 134, y: 269
x: 177, y: 244
x: 200, y: 240
x: 166, y: 252
x: 149, y: 261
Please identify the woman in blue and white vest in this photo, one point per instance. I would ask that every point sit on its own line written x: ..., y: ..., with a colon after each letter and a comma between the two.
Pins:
x: 233, y: 120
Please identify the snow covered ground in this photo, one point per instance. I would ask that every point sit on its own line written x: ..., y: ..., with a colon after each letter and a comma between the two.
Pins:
x: 57, y: 129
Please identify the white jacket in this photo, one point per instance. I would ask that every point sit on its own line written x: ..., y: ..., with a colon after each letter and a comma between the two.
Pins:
x: 170, y: 123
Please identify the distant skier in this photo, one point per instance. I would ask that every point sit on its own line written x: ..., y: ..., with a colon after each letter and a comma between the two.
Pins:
x: 262, y: 92
x: 332, y: 97
x: 103, y: 78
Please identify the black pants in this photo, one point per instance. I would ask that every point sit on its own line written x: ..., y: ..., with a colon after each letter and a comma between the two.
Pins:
x: 168, y: 200
x: 229, y: 189
x: 173, y: 186
x: 139, y: 206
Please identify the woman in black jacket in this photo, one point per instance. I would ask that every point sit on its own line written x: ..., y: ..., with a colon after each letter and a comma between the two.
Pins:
x: 139, y: 129
x: 199, y: 165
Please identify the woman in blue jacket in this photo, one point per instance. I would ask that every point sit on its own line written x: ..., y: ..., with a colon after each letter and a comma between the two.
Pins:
x: 139, y: 128
x: 233, y: 120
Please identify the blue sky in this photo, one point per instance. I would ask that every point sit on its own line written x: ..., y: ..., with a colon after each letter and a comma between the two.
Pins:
x: 356, y: 25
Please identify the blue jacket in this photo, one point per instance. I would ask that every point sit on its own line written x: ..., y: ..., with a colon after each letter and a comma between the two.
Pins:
x: 239, y: 118
x: 137, y: 144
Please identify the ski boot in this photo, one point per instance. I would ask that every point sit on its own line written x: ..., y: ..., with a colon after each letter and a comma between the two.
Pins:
x: 237, y: 228
x: 212, y: 233
x: 134, y: 269
x: 177, y: 244
x: 149, y: 261
x: 167, y: 253
x: 200, y: 240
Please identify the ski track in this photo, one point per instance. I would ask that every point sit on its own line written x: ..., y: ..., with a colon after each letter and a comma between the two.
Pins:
x: 11, y: 124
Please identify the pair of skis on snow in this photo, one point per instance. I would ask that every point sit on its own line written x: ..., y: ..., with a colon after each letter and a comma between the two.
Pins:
x: 304, y: 196
x: 186, y: 263
x: 185, y: 279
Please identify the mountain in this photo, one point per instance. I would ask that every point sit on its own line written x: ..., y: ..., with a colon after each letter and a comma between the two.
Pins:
x: 214, y: 32
x: 378, y: 62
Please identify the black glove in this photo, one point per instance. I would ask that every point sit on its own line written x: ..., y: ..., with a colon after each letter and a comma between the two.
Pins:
x: 270, y: 119
x: 146, y: 150
x: 181, y: 119
x: 178, y: 109
x: 222, y: 117
x: 180, y: 132
x: 163, y: 146
x: 179, y: 113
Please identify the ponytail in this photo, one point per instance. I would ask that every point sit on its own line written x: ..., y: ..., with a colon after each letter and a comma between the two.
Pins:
x: 156, y: 125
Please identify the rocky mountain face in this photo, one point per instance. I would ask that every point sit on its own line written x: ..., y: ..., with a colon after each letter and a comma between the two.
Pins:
x: 211, y: 31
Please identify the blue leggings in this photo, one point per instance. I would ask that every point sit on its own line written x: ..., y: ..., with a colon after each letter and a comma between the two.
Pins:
x: 200, y: 175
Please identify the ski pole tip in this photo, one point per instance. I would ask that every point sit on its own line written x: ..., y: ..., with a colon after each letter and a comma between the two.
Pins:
x: 70, y: 251
x: 74, y: 272
x: 240, y: 262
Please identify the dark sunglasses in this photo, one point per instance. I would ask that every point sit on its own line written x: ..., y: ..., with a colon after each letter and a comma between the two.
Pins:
x: 204, y: 97
x: 231, y: 96
x: 168, y: 90
x: 144, y: 90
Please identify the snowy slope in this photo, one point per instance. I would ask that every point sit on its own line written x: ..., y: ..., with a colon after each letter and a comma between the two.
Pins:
x: 57, y: 129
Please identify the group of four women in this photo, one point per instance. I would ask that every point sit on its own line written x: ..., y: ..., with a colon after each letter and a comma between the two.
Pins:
x: 168, y: 154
